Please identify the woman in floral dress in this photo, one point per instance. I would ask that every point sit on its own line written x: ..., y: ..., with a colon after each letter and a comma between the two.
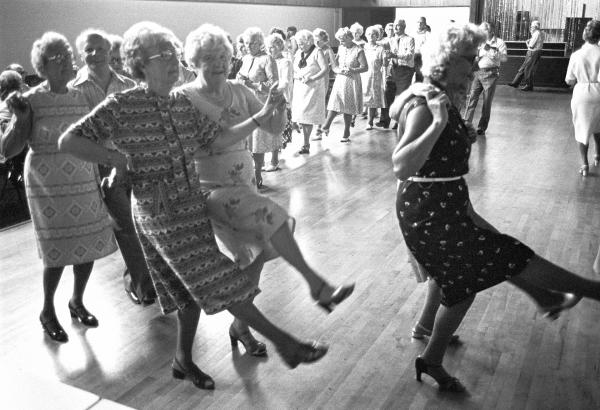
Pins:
x: 373, y: 97
x: 346, y: 94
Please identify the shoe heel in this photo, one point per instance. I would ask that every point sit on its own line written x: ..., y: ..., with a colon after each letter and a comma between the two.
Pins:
x: 420, y: 367
x: 234, y: 341
x: 178, y: 374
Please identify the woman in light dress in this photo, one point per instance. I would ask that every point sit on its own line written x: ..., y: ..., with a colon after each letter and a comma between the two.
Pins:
x: 346, y: 94
x: 583, y: 73
x: 259, y: 72
x: 373, y: 97
x: 70, y: 220
x: 322, y: 41
x: 308, y: 104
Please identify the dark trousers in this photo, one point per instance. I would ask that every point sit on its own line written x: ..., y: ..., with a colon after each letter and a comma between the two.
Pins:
x: 117, y: 197
x: 484, y: 83
x: 527, y: 70
x: 399, y: 80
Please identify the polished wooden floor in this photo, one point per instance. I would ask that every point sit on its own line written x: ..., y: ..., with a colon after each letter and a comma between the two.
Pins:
x: 523, y: 179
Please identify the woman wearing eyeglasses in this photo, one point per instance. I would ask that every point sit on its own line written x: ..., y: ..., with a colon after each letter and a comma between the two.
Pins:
x: 461, y: 252
x: 69, y: 218
x: 157, y: 133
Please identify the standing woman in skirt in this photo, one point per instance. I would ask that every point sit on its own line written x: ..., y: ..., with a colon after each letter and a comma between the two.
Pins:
x: 308, y: 104
x: 70, y: 220
x: 346, y: 94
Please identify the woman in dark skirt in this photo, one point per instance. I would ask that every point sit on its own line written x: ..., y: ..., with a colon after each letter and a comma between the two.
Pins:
x: 461, y: 252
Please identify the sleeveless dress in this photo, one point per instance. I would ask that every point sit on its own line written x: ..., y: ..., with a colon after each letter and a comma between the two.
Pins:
x: 461, y: 257
x: 347, y: 94
x: 242, y: 219
x: 70, y: 220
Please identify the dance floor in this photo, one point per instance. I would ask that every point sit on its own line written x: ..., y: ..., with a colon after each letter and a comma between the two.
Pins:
x: 523, y: 179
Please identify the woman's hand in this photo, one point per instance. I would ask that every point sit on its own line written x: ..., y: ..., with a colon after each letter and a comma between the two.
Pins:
x: 438, y: 103
x: 275, y: 101
x: 18, y: 105
x: 417, y: 89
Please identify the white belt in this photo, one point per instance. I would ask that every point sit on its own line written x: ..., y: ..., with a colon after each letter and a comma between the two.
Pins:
x: 424, y: 179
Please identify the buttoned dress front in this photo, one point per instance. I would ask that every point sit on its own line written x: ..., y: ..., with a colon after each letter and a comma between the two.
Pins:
x: 159, y: 136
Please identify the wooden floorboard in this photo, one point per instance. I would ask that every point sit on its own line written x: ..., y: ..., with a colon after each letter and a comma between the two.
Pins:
x: 523, y: 179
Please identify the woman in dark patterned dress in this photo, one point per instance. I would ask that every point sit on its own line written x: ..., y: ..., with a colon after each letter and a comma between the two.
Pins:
x: 458, y: 249
x: 156, y: 133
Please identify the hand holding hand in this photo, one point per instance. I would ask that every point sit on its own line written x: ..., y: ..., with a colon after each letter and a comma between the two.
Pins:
x: 275, y: 100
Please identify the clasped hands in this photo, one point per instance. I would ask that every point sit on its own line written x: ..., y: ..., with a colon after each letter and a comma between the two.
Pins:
x: 437, y: 101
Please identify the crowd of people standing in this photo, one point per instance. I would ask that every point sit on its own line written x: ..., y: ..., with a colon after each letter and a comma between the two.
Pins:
x: 170, y: 140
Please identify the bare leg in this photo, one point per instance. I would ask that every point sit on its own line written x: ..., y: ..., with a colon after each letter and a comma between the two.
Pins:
x: 542, y: 297
x: 275, y: 158
x: 284, y: 243
x: 583, y: 150
x: 431, y: 306
x: 372, y: 113
x: 446, y: 322
x: 545, y: 274
x: 330, y: 116
x: 347, y: 123
x: 50, y: 282
x: 259, y: 160
x: 307, y: 130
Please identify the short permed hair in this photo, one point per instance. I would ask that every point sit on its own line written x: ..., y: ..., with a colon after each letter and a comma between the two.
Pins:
x: 322, y: 34
x: 139, y: 38
x: 206, y: 40
x: 356, y: 27
x: 87, y: 33
x: 304, y: 36
x: 10, y: 81
x: 253, y: 32
x: 451, y: 41
x: 591, y: 33
x: 40, y: 48
x: 343, y: 32
x: 371, y: 29
x: 274, y: 38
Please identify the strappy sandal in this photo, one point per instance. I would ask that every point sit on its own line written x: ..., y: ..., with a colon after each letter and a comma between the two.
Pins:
x: 445, y: 381
x: 200, y: 379
x: 253, y: 347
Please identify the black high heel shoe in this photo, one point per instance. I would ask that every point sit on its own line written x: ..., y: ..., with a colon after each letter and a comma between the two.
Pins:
x: 253, y: 347
x: 552, y: 312
x: 444, y: 380
x: 200, y: 379
x: 306, y: 352
x: 83, y: 315
x: 54, y: 330
x: 339, y: 294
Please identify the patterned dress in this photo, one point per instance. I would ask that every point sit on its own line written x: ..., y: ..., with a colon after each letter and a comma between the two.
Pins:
x: 462, y: 257
x: 159, y: 136
x: 261, y: 70
x: 347, y: 94
x: 308, y: 105
x: 70, y: 220
x: 243, y: 220
x: 373, y: 79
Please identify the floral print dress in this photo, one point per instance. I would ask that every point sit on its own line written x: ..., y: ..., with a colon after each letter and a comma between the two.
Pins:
x: 460, y: 256
x: 243, y: 220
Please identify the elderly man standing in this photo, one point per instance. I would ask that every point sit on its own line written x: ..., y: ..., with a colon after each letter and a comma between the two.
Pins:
x: 534, y: 52
x: 96, y: 80
x: 490, y: 55
x: 401, y: 67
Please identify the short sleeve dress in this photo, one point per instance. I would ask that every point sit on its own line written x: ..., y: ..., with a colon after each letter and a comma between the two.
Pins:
x: 373, y: 96
x: 261, y: 70
x: 461, y: 257
x: 70, y: 220
x: 160, y: 135
x: 347, y: 93
x: 243, y: 220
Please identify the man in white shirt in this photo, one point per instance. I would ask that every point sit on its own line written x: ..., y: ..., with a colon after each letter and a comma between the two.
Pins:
x: 96, y: 80
x: 423, y: 31
x: 489, y: 57
x: 532, y: 58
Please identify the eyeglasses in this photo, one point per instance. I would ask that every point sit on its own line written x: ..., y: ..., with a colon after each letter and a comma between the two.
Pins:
x: 165, y: 55
x: 58, y: 58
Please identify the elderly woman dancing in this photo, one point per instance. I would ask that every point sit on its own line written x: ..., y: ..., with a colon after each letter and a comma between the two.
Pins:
x: 258, y: 72
x: 69, y: 218
x: 156, y: 134
x: 308, y: 105
x: 461, y: 251
x: 346, y: 94
x: 252, y: 227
